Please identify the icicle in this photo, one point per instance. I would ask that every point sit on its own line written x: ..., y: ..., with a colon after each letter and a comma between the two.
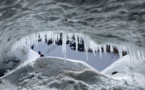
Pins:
x: 69, y: 37
x: 111, y: 48
x: 54, y: 38
x: 79, y: 38
x: 131, y: 54
x: 87, y: 55
x: 119, y: 51
x: 139, y: 56
x: 143, y: 56
x: 93, y: 47
x: 104, y: 49
x: 64, y: 44
x: 97, y: 48
x: 42, y: 36
x: 100, y: 50
x: 76, y: 41
x: 58, y: 36
x: 48, y: 36
x: 94, y: 51
x: 124, y: 49
x: 86, y: 50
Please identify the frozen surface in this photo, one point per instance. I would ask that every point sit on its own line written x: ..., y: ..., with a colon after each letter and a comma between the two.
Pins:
x: 59, y: 74
x: 116, y: 22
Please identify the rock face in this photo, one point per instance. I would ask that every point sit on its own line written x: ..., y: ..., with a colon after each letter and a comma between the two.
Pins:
x: 60, y: 74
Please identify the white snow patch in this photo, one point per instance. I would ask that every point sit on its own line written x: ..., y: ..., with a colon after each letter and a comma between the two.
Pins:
x: 125, y: 65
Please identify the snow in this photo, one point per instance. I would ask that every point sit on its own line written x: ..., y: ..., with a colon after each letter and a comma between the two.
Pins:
x: 125, y: 65
x: 98, y: 22
x: 25, y: 54
x: 64, y: 70
x: 52, y: 73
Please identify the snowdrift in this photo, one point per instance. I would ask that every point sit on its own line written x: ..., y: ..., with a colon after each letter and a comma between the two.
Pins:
x: 51, y: 73
x: 125, y: 65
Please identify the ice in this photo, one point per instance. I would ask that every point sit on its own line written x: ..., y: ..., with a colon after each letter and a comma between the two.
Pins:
x: 135, y: 53
x: 120, y: 51
x: 111, y: 48
x: 104, y: 48
x: 137, y: 56
x: 101, y: 22
x: 100, y: 50
x: 76, y: 41
x: 64, y: 37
